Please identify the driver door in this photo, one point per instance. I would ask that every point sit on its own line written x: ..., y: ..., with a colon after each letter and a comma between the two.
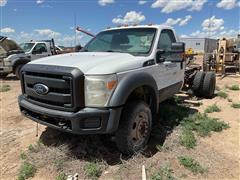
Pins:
x: 39, y: 51
x: 169, y: 70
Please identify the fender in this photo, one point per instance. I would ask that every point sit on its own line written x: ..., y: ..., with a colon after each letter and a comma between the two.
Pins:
x: 128, y: 84
x: 18, y: 61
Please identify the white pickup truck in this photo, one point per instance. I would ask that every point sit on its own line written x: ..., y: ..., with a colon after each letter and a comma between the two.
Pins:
x: 39, y: 49
x: 114, y: 86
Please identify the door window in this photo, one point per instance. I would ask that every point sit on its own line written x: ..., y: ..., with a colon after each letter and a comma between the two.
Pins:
x: 40, y: 48
x: 166, y: 39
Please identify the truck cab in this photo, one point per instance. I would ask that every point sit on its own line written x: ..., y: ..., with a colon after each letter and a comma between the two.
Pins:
x: 39, y: 49
x: 113, y: 86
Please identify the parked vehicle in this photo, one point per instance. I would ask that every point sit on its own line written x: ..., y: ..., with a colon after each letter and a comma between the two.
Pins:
x: 39, y: 49
x: 12, y: 57
x: 114, y: 86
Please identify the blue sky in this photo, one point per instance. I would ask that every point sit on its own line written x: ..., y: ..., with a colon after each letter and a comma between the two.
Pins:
x: 23, y: 20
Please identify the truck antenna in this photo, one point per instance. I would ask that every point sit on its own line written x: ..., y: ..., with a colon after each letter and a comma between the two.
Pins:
x: 75, y: 26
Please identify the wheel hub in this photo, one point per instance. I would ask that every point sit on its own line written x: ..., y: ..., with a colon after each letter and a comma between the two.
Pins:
x: 140, y: 128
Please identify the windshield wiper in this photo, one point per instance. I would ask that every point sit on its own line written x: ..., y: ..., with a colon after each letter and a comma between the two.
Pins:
x: 114, y: 51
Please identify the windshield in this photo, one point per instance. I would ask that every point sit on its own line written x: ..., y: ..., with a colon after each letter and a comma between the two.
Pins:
x: 9, y: 46
x: 26, y: 46
x: 134, y: 41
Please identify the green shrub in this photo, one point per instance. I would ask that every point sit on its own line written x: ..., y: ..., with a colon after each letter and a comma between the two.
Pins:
x: 212, y: 108
x: 187, y: 138
x: 177, y: 99
x: 222, y: 94
x: 27, y: 170
x: 5, y: 88
x: 61, y: 176
x: 23, y: 156
x: 31, y: 147
x: 236, y: 105
x: 191, y: 164
x: 164, y: 173
x: 203, y: 124
x: 92, y: 170
x: 234, y: 87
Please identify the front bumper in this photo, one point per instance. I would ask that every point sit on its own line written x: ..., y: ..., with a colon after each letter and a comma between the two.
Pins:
x: 5, y: 69
x: 85, y: 121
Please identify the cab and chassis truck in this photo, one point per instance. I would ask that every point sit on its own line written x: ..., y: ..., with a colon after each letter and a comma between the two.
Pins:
x: 113, y: 86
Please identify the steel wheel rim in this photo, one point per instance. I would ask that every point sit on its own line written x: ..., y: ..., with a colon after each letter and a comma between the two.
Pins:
x: 140, y: 129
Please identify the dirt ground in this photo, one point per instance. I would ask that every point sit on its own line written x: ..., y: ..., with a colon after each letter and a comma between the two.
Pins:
x: 220, y: 152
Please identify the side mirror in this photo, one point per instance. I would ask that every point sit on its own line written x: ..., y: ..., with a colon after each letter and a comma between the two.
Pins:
x: 178, y: 47
x: 159, y: 54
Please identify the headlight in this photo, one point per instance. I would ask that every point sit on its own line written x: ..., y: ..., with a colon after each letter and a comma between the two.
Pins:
x: 98, y: 89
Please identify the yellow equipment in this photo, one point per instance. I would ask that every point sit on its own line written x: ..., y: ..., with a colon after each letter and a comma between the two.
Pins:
x: 226, y: 58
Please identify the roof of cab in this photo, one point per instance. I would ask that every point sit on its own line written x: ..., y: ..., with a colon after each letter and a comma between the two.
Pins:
x: 139, y: 26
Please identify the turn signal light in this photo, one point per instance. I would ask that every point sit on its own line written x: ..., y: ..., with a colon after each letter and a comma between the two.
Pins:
x: 111, y: 84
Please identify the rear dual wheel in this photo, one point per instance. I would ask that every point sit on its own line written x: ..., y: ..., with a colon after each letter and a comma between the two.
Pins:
x: 204, y: 84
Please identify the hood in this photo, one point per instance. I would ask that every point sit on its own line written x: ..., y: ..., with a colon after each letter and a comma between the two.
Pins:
x: 13, y: 57
x: 94, y: 62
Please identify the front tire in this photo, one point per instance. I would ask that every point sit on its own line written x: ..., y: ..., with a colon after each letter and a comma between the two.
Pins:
x: 17, y: 71
x: 134, y: 128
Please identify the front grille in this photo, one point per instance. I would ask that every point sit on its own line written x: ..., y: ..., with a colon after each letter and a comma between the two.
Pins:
x: 65, y: 89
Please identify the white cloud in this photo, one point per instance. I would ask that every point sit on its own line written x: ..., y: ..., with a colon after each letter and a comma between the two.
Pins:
x: 141, y: 2
x: 197, y: 5
x: 68, y: 40
x: 105, y: 2
x: 47, y: 32
x: 7, y: 30
x: 171, y: 22
x: 178, y: 21
x: 230, y: 33
x: 228, y: 4
x: 185, y: 21
x: 3, y: 3
x: 40, y: 1
x: 184, y: 36
x: 131, y: 17
x: 213, y: 24
x: 171, y: 6
x: 215, y: 34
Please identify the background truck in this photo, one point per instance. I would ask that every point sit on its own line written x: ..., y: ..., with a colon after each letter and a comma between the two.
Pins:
x: 12, y: 57
x: 113, y: 86
x: 39, y: 49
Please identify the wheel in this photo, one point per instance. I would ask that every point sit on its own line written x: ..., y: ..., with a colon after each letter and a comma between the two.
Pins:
x: 198, y: 83
x: 134, y: 128
x: 2, y: 76
x: 209, y: 84
x: 18, y: 70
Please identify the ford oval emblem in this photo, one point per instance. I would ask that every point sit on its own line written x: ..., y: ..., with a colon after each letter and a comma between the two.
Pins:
x: 41, y: 89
